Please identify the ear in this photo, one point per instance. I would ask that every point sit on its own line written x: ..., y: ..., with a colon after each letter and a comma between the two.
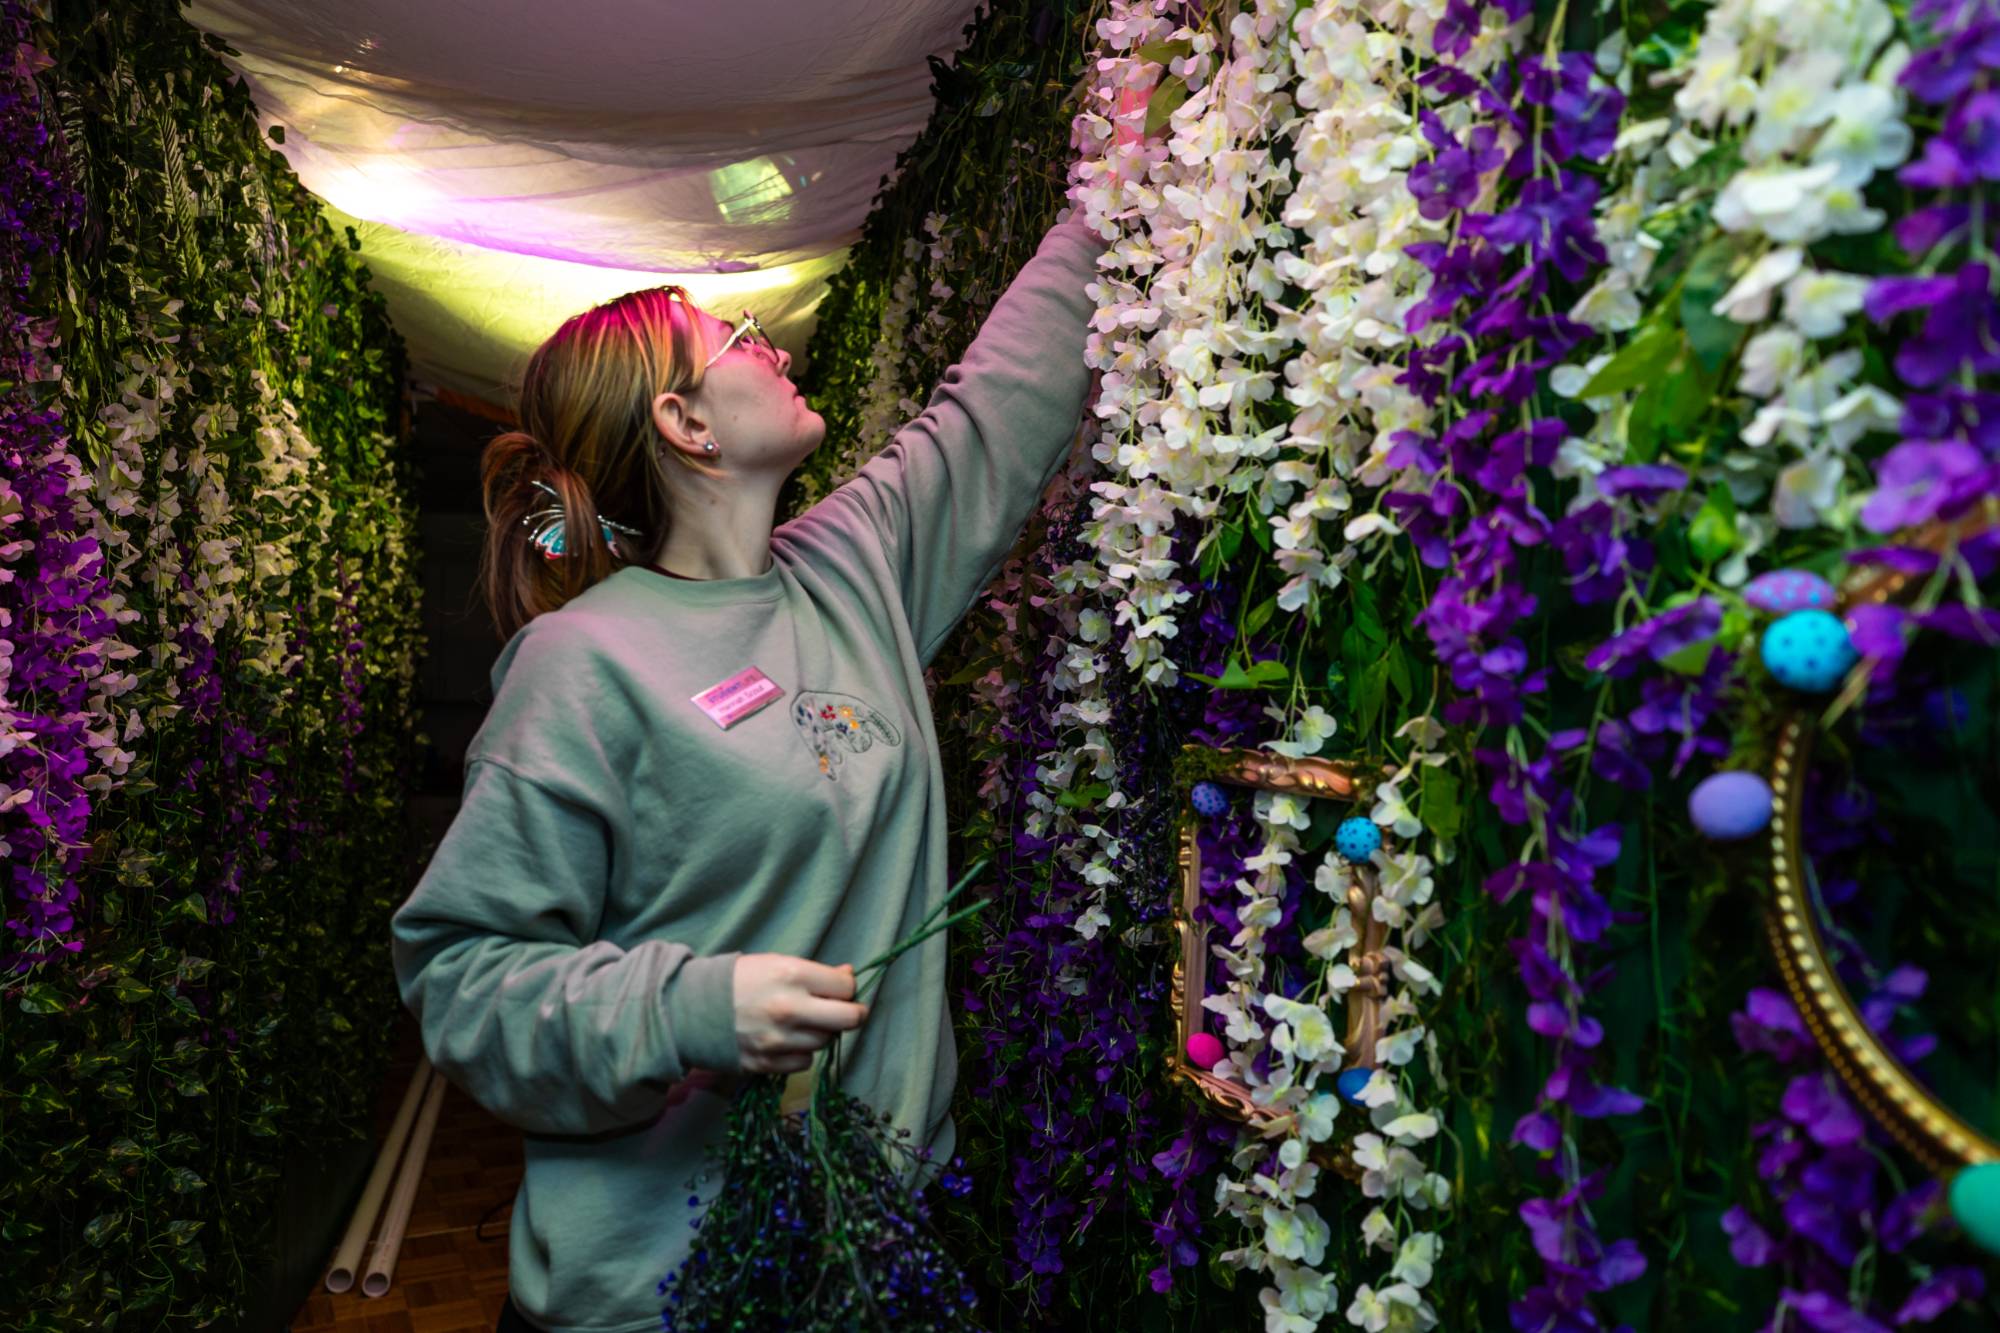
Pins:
x: 675, y: 419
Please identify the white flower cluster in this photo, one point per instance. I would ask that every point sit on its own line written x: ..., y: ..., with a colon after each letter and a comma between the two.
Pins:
x: 1354, y: 143
x: 295, y: 517
x: 1805, y: 94
x: 134, y: 519
x: 140, y: 527
x: 1175, y: 355
x: 1294, y: 1041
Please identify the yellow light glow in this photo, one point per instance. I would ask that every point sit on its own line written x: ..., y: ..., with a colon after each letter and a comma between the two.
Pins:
x: 753, y: 190
x: 375, y: 187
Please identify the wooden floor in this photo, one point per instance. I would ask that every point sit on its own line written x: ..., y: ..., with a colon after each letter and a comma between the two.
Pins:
x: 447, y: 1279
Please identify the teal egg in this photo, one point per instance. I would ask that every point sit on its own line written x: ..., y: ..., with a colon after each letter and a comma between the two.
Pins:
x: 1975, y: 1202
x: 1808, y: 651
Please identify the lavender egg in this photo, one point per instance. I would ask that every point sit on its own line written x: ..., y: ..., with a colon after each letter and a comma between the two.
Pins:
x: 1730, y: 806
x: 1784, y: 590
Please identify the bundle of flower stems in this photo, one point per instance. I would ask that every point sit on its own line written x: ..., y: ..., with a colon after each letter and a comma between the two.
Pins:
x: 820, y: 1223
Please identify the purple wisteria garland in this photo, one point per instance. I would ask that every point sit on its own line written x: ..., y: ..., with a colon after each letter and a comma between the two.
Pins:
x: 1065, y: 1018
x: 1475, y: 519
x: 1945, y: 465
x: 1821, y: 1160
x: 1083, y: 1157
x: 50, y: 569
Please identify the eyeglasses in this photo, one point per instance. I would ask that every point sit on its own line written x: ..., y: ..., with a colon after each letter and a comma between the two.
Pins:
x: 751, y: 330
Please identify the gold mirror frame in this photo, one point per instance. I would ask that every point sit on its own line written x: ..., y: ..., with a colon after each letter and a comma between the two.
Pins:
x: 1325, y: 779
x: 1931, y: 1132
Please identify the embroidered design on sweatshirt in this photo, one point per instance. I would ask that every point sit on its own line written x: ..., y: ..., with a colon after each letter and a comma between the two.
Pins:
x: 834, y: 726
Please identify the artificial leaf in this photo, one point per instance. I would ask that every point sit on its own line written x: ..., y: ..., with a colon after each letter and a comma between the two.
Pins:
x: 181, y: 1231
x: 1438, y: 803
x: 42, y: 998
x: 1712, y: 533
x: 1690, y: 660
x: 1712, y: 337
x: 1642, y: 360
x: 1259, y: 615
x: 1162, y: 52
x: 1089, y: 794
x: 103, y: 1227
x: 1166, y: 99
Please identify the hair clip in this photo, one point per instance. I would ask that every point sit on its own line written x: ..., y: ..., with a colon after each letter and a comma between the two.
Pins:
x: 547, y: 526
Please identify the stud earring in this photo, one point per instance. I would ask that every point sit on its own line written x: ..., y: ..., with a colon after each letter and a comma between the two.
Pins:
x: 710, y: 446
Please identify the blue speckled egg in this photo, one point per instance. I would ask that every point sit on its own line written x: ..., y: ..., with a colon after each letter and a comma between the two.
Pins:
x: 1350, y: 1083
x: 1808, y: 650
x: 1357, y: 838
x: 1208, y: 798
x: 1730, y: 806
x: 1784, y: 590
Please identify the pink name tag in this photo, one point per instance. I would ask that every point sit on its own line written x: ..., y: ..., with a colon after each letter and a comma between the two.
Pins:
x: 732, y: 700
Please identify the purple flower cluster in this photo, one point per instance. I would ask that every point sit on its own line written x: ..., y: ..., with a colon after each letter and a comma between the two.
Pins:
x: 1947, y: 461
x: 1201, y: 1144
x: 251, y: 786
x: 347, y: 634
x: 1820, y: 1158
x: 1489, y: 292
x: 1058, y: 1024
x: 51, y: 571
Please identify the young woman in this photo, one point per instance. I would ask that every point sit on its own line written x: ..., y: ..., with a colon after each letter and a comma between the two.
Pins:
x: 709, y: 783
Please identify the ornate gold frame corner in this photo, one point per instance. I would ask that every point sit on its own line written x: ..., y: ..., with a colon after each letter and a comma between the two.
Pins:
x: 1317, y: 778
x: 1931, y: 1131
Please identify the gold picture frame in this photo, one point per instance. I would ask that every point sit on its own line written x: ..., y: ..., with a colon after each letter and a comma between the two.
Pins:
x: 1884, y: 1086
x: 1261, y: 770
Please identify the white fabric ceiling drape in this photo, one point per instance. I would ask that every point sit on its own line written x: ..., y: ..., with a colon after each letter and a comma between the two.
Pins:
x: 511, y: 162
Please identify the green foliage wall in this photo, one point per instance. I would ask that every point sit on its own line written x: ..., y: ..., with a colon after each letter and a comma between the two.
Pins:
x: 233, y: 391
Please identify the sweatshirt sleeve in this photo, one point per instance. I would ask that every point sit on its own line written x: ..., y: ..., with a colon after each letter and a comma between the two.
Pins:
x: 947, y: 496
x: 545, y: 1026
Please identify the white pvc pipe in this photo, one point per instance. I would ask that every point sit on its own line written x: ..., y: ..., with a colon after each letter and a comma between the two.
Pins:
x: 347, y: 1256
x: 397, y: 1215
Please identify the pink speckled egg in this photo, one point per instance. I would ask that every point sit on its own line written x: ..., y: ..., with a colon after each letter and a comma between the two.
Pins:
x: 1204, y: 1050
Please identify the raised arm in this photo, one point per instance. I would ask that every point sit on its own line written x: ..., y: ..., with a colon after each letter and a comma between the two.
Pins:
x: 548, y: 1031
x: 947, y: 496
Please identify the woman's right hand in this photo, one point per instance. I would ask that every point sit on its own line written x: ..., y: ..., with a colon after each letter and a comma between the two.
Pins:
x: 787, y: 1008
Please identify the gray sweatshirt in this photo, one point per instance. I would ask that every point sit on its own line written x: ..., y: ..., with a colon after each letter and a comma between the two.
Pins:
x: 568, y: 951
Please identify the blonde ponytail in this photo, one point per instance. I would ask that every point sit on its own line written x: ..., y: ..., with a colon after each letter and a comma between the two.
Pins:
x: 586, y: 431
